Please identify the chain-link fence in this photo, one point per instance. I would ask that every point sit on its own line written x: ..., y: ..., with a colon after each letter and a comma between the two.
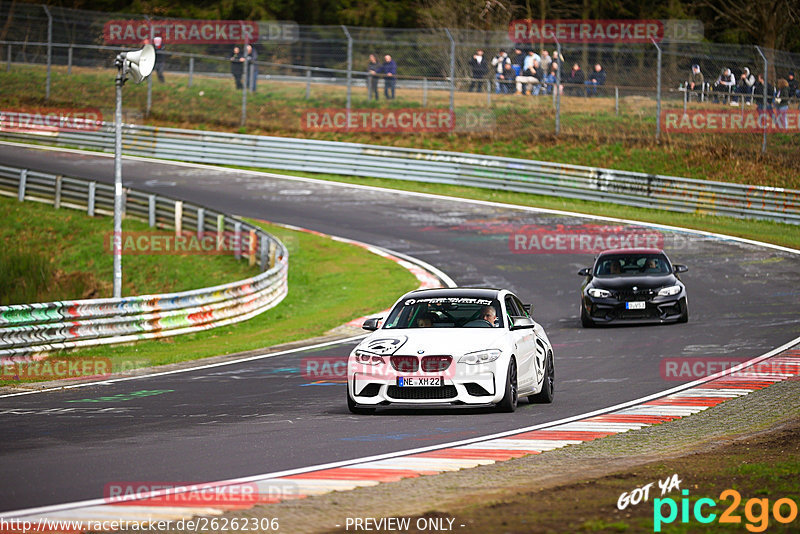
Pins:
x: 630, y: 92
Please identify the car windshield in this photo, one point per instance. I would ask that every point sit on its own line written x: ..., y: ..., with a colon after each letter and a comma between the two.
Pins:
x: 445, y: 312
x: 632, y: 264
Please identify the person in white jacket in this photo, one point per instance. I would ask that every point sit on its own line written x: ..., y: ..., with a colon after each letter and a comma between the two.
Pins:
x: 498, y: 62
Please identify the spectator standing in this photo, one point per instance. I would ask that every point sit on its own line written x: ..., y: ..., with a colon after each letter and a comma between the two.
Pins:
x: 389, y: 70
x: 696, y: 82
x: 782, y: 97
x: 159, y: 45
x: 596, y: 79
x: 479, y: 70
x: 252, y: 69
x: 746, y: 83
x: 575, y: 80
x: 519, y: 60
x: 724, y: 84
x: 794, y: 88
x: 545, y: 61
x: 237, y: 66
x: 532, y: 76
x: 498, y: 62
x: 372, y: 77
x: 758, y: 92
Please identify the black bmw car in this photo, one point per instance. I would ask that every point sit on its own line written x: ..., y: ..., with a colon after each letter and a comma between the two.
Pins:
x: 633, y: 286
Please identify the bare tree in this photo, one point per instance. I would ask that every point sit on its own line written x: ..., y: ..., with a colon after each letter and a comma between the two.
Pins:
x: 766, y: 21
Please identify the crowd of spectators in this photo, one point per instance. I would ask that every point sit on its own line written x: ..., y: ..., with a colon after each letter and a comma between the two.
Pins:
x: 745, y: 90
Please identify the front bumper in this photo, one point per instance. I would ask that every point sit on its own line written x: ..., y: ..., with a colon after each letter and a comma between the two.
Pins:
x: 656, y: 310
x: 475, y: 389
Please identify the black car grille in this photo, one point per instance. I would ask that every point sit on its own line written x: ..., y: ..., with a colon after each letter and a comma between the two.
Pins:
x: 639, y: 294
x: 476, y: 390
x: 423, y: 393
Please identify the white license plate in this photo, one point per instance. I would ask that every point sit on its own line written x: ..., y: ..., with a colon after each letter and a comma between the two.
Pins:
x: 638, y: 305
x: 419, y: 381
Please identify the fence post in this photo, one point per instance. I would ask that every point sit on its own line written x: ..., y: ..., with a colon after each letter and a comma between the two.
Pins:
x: 8, y: 59
x: 49, y: 49
x: 191, y: 70
x: 658, y: 92
x: 246, y: 82
x: 424, y: 92
x: 616, y: 100
x: 237, y: 236
x: 178, y: 217
x: 57, y: 200
x: 149, y: 78
x: 23, y: 180
x: 452, y: 71
x: 69, y: 60
x: 489, y: 93
x: 685, y: 98
x: 349, y: 70
x: 308, y: 84
x: 151, y: 210
x: 764, y: 100
x: 201, y: 222
x: 264, y: 253
x: 251, y: 248
x: 90, y: 202
x: 557, y: 88
x: 220, y: 231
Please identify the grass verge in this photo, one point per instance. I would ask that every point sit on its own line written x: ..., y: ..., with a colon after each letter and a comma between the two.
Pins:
x: 330, y: 283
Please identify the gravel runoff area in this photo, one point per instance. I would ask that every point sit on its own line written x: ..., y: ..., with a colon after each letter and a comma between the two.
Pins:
x: 743, y: 422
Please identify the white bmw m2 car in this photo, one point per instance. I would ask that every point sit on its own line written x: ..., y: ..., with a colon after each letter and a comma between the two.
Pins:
x: 447, y: 347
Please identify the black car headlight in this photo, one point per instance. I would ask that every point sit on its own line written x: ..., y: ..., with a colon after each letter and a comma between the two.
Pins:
x: 669, y: 291
x: 599, y: 293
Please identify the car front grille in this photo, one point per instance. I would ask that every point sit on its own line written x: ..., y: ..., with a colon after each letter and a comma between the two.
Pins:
x: 405, y: 364
x: 436, y: 364
x: 422, y: 393
x: 639, y: 294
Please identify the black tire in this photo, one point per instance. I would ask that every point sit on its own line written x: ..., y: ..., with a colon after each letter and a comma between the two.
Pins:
x: 358, y: 410
x: 684, y: 318
x: 545, y: 396
x: 510, y: 399
x: 586, y: 322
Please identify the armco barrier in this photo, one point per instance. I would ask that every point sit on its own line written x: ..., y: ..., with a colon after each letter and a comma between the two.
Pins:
x: 29, y: 329
x: 510, y: 174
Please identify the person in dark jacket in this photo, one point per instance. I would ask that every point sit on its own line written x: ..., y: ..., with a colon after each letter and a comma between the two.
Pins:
x: 575, y: 80
x: 372, y: 77
x: 389, y: 70
x: 794, y: 88
x: 508, y: 79
x: 237, y: 66
x: 696, y: 84
x: 479, y: 70
x: 159, y: 45
x: 596, y: 79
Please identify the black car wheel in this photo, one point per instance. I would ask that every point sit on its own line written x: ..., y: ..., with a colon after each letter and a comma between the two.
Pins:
x: 545, y: 396
x: 509, y: 402
x: 684, y: 318
x: 586, y: 322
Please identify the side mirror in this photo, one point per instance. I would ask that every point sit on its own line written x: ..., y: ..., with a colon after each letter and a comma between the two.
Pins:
x: 372, y: 324
x: 586, y: 271
x: 677, y: 268
x: 518, y: 323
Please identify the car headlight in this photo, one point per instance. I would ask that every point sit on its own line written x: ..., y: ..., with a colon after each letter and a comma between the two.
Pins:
x: 669, y: 291
x: 367, y: 358
x: 599, y: 293
x: 481, y: 356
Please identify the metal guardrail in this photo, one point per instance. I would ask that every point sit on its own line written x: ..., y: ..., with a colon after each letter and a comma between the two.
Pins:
x: 489, y: 172
x: 29, y: 329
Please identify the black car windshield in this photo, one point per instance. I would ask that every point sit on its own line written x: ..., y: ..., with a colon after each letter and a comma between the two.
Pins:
x: 445, y: 312
x: 632, y: 264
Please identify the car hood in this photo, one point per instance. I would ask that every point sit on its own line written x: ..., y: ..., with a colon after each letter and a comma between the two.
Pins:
x: 436, y: 341
x: 642, y: 282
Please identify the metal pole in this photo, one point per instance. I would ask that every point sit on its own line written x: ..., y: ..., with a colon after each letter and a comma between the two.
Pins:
x: 452, y: 71
x: 149, y: 78
x: 349, y: 71
x: 616, y: 100
x: 69, y: 60
x: 8, y: 61
x: 558, y: 88
x: 246, y: 82
x: 191, y: 69
x: 118, y: 186
x: 49, y: 50
x: 489, y: 93
x: 424, y: 92
x: 308, y: 84
x: 764, y: 100
x: 658, y: 93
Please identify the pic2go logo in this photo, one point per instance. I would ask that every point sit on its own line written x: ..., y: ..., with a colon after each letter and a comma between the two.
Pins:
x: 756, y: 511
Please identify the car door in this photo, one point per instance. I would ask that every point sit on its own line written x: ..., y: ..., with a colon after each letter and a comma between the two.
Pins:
x: 539, y: 348
x: 525, y: 346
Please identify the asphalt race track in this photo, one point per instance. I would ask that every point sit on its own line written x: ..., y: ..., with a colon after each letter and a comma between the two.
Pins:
x: 263, y: 416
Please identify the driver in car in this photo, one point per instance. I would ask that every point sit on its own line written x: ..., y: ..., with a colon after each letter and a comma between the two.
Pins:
x: 489, y: 314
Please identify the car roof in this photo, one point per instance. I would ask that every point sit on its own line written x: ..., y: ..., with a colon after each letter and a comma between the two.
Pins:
x: 632, y: 251
x: 476, y: 292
